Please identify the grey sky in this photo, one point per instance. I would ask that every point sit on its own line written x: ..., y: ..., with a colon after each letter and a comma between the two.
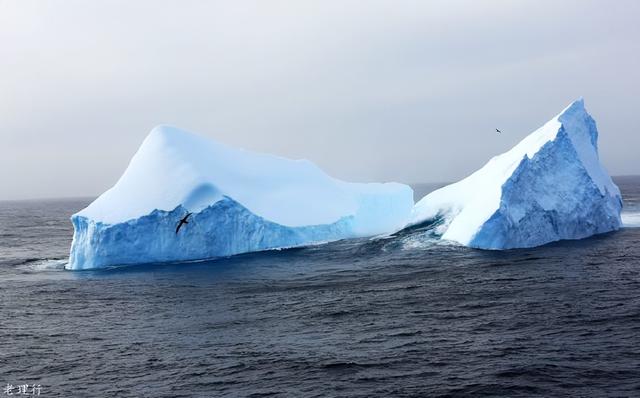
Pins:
x: 409, y: 91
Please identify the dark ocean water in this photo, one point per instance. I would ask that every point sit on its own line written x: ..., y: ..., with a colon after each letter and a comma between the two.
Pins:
x: 393, y: 317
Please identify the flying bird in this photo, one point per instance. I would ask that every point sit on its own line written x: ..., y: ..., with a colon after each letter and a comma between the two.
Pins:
x: 183, y: 221
x: 498, y: 131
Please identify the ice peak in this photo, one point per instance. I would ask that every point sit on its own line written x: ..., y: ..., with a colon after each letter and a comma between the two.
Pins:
x: 575, y: 106
x: 576, y: 110
x: 167, y: 134
x: 581, y: 129
x: 165, y: 130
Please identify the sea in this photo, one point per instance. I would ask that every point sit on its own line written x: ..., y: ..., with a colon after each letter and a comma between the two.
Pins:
x: 399, y: 316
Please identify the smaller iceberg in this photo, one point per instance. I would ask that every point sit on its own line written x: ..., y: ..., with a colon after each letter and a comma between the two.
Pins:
x: 551, y: 186
x: 233, y: 201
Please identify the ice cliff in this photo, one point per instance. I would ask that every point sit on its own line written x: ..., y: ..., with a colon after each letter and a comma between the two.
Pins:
x: 241, y: 202
x: 551, y: 186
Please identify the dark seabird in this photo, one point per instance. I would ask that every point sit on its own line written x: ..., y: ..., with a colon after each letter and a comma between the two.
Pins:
x: 498, y: 131
x: 183, y: 221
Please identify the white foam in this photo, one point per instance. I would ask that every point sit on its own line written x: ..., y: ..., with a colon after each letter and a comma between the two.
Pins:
x: 49, y: 265
x: 630, y: 219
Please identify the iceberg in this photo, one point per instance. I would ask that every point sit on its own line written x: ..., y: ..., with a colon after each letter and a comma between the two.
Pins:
x: 240, y: 201
x: 551, y: 186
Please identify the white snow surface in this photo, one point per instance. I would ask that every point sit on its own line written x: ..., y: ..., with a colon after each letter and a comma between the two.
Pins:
x: 174, y: 167
x: 561, y: 172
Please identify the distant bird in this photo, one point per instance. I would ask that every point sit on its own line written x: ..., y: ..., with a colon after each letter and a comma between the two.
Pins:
x: 498, y: 131
x: 183, y: 221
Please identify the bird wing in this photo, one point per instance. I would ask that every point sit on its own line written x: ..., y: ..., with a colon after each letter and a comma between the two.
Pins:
x: 183, y: 221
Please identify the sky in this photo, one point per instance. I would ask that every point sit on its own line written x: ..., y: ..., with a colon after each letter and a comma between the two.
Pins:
x: 407, y: 91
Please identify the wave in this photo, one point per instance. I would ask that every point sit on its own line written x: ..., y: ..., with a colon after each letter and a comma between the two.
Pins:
x: 424, y: 235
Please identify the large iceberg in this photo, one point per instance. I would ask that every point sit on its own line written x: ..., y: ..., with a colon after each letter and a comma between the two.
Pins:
x: 240, y: 202
x: 551, y: 186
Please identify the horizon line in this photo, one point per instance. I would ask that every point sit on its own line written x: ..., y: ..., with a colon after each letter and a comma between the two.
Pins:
x: 79, y: 197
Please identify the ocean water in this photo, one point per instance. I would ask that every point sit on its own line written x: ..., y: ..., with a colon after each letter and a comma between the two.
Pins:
x: 395, y: 317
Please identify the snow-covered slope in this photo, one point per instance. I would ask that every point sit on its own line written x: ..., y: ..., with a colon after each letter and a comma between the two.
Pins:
x: 550, y: 186
x: 241, y: 201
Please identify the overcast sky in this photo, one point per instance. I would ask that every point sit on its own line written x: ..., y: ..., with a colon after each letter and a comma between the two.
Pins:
x: 407, y: 91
